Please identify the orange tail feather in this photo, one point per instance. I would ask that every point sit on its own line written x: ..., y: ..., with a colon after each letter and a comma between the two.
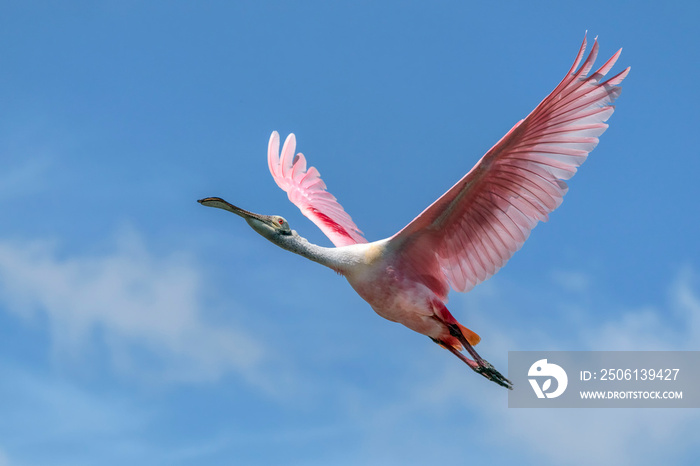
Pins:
x: 471, y: 336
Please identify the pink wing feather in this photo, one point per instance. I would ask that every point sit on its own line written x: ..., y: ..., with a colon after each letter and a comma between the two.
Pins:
x: 470, y: 232
x: 306, y: 190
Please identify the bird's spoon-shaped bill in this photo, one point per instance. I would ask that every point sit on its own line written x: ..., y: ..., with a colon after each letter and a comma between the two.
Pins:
x: 221, y: 204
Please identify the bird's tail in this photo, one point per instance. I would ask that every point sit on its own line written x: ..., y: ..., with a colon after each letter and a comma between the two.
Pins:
x: 472, y: 337
x: 442, y: 313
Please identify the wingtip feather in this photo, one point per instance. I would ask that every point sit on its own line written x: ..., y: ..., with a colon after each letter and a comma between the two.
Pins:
x: 273, y: 158
x: 579, y: 55
x: 287, y: 155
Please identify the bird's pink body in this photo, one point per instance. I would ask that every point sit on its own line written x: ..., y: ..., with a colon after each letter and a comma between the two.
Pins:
x: 471, y: 231
x: 392, y: 292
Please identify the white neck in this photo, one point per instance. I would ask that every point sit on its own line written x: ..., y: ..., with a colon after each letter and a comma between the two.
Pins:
x: 333, y: 258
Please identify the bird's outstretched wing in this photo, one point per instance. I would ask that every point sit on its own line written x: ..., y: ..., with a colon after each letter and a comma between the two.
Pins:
x: 470, y: 232
x: 306, y: 190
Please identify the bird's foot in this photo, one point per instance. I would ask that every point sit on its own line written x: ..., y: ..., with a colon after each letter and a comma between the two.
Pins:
x: 487, y: 370
x: 480, y: 365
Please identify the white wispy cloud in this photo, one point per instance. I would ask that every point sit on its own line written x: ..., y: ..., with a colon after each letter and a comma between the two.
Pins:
x: 134, y: 302
x: 676, y: 326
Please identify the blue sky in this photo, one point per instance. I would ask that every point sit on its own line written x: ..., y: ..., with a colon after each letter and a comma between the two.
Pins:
x: 137, y: 326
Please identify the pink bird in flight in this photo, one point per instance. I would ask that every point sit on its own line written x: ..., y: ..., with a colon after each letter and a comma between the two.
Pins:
x: 470, y: 232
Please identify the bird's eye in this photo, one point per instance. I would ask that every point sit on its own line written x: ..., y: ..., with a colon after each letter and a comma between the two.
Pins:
x: 280, y: 221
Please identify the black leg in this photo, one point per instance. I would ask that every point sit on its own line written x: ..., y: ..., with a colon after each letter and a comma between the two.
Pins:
x: 479, y: 364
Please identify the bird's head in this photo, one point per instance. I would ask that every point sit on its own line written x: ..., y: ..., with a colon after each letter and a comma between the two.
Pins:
x: 271, y: 227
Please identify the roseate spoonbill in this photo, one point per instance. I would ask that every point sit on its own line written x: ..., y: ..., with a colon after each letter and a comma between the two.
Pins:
x: 470, y: 232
